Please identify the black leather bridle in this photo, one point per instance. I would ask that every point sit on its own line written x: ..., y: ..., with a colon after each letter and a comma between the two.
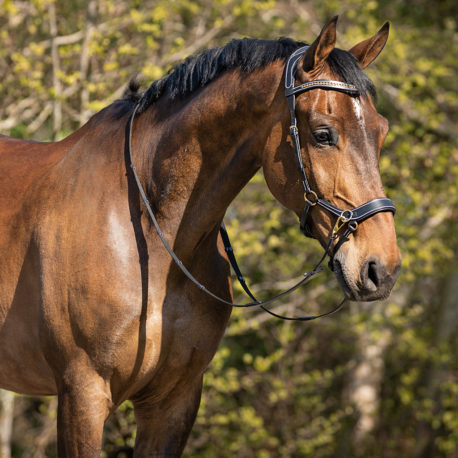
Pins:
x: 346, y: 219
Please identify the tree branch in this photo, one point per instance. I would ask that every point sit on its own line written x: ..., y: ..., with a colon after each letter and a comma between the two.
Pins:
x: 446, y: 129
x: 57, y: 104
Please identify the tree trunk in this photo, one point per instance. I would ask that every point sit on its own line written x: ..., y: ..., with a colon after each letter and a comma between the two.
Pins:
x: 365, y: 382
x: 363, y: 389
x: 6, y: 422
x: 446, y: 328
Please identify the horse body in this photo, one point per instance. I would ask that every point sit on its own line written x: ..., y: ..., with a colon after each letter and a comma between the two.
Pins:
x: 22, y: 166
x: 94, y: 276
x: 91, y: 306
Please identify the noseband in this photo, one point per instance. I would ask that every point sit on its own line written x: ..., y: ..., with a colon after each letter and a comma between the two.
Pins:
x: 347, y: 220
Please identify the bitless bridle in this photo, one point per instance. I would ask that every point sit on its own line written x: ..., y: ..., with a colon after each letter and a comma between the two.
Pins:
x: 348, y: 219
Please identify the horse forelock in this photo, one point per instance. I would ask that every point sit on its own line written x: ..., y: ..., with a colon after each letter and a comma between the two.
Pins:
x: 246, y: 55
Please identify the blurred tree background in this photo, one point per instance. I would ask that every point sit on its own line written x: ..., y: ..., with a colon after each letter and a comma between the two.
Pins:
x: 375, y: 380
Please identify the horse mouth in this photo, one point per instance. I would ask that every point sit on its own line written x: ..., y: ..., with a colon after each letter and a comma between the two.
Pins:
x: 373, y: 288
x: 338, y: 271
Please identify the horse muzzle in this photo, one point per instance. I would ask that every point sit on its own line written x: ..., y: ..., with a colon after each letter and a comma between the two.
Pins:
x: 374, y: 281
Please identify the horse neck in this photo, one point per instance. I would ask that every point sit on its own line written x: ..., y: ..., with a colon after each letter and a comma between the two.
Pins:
x: 198, y: 156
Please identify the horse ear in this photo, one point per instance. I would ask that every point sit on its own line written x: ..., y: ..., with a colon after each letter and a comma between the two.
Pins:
x: 319, y: 50
x: 369, y: 49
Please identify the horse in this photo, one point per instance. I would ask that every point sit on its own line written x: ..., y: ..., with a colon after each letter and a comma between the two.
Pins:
x: 94, y: 309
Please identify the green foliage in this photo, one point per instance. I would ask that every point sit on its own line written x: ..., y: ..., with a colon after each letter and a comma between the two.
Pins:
x: 274, y: 388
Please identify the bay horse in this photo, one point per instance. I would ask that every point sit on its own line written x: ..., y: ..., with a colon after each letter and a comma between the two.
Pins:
x: 93, y: 308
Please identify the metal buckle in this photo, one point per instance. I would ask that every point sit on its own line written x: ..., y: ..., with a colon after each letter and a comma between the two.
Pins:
x: 343, y: 219
x: 353, y: 225
x: 293, y: 130
x: 311, y: 195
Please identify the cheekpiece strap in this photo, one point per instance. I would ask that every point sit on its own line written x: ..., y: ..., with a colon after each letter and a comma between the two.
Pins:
x: 290, y: 71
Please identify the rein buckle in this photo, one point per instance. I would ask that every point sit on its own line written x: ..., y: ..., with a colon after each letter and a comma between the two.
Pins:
x: 343, y: 219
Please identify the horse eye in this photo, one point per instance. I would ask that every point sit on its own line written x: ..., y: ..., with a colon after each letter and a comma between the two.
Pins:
x: 326, y: 137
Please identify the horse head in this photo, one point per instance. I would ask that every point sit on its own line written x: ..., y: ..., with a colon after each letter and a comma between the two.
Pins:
x: 340, y: 136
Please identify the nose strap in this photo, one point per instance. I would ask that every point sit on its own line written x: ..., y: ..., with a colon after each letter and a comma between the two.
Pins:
x: 359, y: 214
x: 356, y: 215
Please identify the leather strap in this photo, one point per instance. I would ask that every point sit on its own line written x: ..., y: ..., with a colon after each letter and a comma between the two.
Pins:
x: 317, y: 269
x: 361, y: 213
x: 323, y: 84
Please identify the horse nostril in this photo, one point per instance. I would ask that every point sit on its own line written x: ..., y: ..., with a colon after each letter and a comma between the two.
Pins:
x: 372, y: 273
x: 376, y: 282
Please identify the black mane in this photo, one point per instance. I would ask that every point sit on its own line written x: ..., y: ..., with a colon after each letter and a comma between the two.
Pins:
x: 247, y: 55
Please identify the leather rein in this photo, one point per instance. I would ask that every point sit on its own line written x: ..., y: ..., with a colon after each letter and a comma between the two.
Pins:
x: 347, y: 220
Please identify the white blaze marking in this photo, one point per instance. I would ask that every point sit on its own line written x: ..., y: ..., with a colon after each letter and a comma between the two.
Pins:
x: 357, y: 107
x: 359, y: 115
